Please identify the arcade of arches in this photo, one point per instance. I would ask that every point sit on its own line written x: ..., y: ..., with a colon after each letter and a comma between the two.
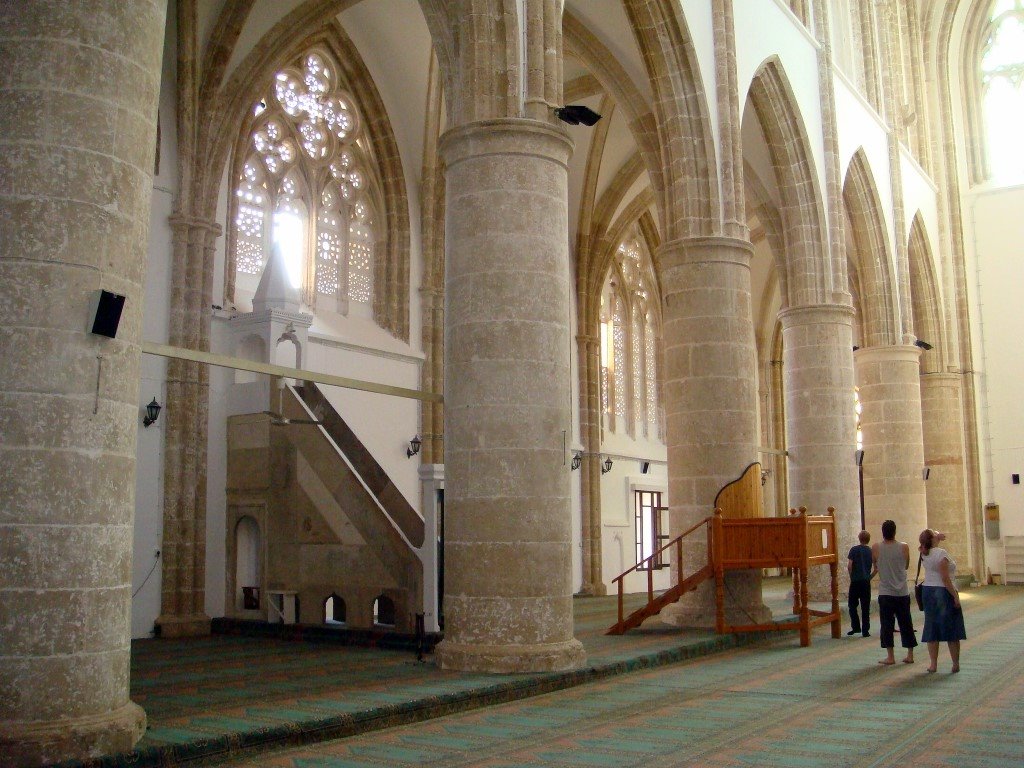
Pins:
x: 788, y: 239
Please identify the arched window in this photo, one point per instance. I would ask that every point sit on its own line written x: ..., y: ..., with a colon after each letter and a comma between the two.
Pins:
x: 301, y: 183
x: 639, y: 390
x: 360, y: 256
x: 651, y: 378
x: 619, y: 355
x: 629, y: 343
x: 1001, y: 69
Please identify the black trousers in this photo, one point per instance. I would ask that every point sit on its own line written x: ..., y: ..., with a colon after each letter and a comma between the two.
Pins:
x: 891, y: 610
x: 860, y: 597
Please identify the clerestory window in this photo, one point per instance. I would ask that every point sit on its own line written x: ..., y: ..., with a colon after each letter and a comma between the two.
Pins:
x: 1002, y: 86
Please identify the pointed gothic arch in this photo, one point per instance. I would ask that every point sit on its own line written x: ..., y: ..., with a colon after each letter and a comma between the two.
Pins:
x: 800, y: 208
x: 382, y: 178
x: 691, y: 197
x: 925, y: 297
x: 870, y: 263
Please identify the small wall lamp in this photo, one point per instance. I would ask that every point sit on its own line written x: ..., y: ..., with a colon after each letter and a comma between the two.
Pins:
x: 414, y: 447
x: 152, y: 413
x: 607, y: 466
x: 577, y: 460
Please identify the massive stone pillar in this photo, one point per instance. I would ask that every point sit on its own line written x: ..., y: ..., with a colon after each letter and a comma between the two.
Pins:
x: 77, y: 141
x: 710, y: 405
x: 945, y: 489
x: 820, y: 422
x: 890, y: 397
x: 508, y: 580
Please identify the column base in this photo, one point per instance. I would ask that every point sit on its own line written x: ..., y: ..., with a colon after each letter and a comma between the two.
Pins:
x: 76, y: 738
x: 183, y: 626
x: 593, y: 590
x: 508, y: 659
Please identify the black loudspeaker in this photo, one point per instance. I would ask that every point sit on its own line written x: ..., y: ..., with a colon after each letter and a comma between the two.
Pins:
x: 645, y: 467
x: 108, y: 314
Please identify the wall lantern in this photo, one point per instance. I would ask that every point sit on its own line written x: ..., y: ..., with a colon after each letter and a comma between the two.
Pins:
x: 152, y: 413
x: 577, y: 460
x: 607, y: 466
x: 414, y: 447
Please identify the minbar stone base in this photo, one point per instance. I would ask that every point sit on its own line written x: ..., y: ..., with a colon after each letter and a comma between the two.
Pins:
x: 509, y: 659
x: 183, y: 626
x: 36, y: 743
x: 743, y: 604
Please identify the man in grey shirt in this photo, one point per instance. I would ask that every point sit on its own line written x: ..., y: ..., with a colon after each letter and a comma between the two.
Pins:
x: 891, y: 559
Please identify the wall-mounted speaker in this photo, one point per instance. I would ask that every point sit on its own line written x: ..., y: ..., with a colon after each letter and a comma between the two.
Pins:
x: 108, y: 314
x: 645, y: 467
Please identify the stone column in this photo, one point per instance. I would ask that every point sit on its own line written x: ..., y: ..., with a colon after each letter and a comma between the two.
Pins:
x: 710, y: 405
x: 821, y: 437
x: 945, y: 489
x: 508, y: 580
x: 890, y: 397
x: 590, y: 468
x: 183, y: 574
x: 77, y: 141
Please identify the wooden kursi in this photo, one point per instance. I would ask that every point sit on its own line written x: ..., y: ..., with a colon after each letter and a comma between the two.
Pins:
x: 737, y: 541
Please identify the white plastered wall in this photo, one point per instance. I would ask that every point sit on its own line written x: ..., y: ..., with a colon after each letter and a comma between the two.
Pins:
x: 993, y: 233
x: 149, y: 454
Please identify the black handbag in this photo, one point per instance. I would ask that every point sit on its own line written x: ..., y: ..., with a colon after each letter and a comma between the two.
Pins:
x: 919, y: 588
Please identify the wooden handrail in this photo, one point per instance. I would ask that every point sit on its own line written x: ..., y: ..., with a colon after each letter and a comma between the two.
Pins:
x: 651, y: 557
x: 677, y: 542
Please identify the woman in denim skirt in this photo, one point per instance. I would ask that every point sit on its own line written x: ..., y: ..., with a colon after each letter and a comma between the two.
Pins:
x: 943, y: 617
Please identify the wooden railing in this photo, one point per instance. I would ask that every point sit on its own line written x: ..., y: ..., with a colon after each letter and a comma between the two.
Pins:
x: 647, y: 564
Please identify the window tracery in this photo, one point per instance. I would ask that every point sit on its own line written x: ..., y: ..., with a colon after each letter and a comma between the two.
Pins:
x: 629, y: 337
x: 1001, y: 69
x: 302, y: 183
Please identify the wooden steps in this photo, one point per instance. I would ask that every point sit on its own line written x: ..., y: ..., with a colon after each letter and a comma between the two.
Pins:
x: 654, y: 607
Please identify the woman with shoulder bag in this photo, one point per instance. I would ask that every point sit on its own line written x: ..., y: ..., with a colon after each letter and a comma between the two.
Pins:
x: 943, y: 617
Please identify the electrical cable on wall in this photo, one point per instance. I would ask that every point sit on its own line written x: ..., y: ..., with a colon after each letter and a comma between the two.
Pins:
x: 156, y: 559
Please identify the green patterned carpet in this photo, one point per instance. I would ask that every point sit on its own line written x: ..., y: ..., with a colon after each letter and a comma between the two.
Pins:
x: 226, y: 697
x: 775, y: 704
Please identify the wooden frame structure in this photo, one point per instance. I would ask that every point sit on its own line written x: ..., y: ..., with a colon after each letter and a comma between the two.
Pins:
x: 739, y: 538
x: 800, y: 542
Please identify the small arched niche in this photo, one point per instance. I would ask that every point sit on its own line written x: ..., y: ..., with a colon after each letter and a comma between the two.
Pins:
x: 334, y: 609
x: 383, y: 611
x: 247, y: 564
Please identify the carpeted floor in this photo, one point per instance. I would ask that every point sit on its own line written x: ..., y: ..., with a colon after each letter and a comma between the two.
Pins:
x: 774, y: 704
x: 770, y: 704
